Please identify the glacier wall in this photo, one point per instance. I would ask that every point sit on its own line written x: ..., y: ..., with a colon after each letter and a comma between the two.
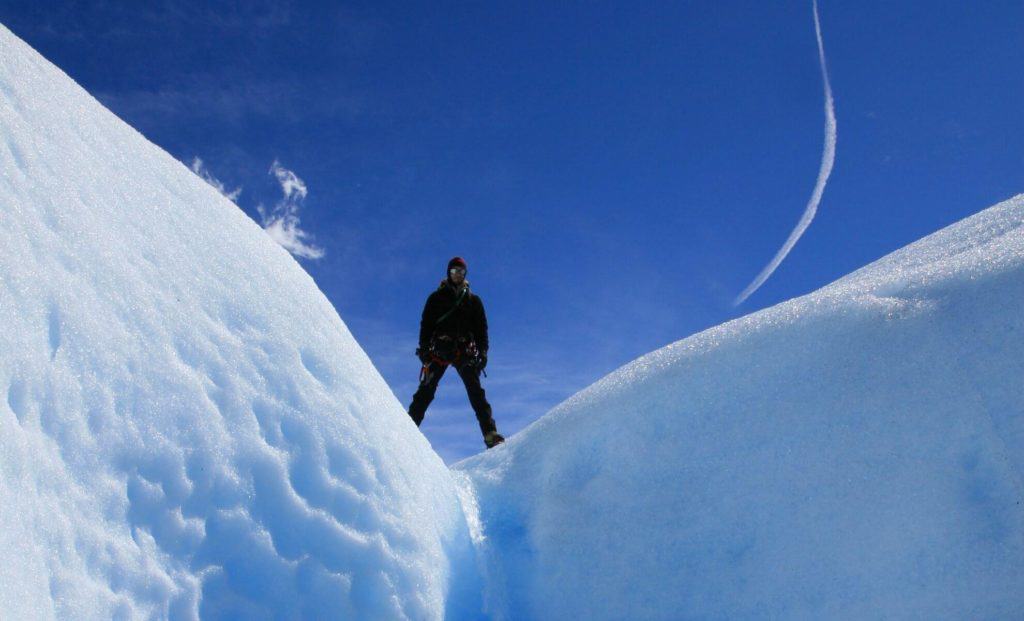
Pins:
x: 856, y: 453
x: 187, y: 428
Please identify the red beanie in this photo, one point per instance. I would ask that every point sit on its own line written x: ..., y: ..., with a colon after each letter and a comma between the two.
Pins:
x: 458, y: 262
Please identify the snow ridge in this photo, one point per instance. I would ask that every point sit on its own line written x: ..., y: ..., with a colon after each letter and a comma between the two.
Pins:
x: 854, y: 453
x: 187, y: 428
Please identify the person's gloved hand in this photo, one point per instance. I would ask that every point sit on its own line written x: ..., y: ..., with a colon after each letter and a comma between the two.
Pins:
x: 423, y: 354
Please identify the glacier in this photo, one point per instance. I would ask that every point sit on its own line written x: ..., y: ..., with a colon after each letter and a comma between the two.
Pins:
x: 856, y: 453
x: 189, y: 430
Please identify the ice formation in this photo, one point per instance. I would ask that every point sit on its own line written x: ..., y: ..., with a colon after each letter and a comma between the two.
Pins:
x: 855, y: 453
x: 188, y: 429
x: 186, y: 425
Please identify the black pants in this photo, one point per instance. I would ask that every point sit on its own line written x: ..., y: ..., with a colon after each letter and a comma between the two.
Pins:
x: 470, y: 377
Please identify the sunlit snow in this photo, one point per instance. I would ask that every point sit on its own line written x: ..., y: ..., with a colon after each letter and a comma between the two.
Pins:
x: 856, y: 453
x: 188, y: 429
x: 186, y: 425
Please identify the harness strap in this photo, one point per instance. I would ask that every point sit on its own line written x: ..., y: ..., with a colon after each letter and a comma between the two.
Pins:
x: 458, y: 301
x: 458, y: 350
x: 444, y: 363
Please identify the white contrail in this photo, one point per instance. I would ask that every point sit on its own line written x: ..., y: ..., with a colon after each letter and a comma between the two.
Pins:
x: 828, y: 157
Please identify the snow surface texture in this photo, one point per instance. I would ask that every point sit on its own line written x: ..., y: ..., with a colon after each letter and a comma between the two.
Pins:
x: 188, y: 429
x: 186, y: 425
x: 856, y: 453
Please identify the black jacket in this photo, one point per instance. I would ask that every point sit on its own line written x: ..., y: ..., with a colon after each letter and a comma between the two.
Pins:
x: 468, y: 320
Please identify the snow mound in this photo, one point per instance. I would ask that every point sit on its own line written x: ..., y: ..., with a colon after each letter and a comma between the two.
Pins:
x: 854, y: 453
x: 186, y: 426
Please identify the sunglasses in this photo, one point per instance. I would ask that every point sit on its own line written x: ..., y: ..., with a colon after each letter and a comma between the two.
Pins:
x: 461, y: 271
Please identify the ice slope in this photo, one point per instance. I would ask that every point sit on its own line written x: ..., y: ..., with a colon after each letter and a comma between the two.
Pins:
x: 186, y: 425
x: 856, y: 453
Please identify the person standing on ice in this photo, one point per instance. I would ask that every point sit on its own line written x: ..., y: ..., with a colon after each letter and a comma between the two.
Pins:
x: 453, y: 332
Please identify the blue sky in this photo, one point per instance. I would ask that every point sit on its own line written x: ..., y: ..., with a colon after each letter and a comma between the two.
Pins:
x: 615, y: 173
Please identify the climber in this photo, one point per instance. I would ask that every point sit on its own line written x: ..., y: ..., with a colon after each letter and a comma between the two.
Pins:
x: 453, y: 332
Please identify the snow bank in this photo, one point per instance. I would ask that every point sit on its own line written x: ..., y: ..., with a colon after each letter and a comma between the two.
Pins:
x: 187, y: 428
x: 186, y: 425
x: 855, y: 453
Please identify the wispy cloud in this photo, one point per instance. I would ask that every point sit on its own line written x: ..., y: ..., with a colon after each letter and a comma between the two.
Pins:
x: 236, y: 101
x: 199, y: 168
x: 172, y: 19
x: 254, y: 18
x: 828, y: 157
x: 282, y: 221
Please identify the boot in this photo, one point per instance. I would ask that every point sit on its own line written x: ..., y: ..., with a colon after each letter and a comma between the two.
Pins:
x: 493, y: 439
